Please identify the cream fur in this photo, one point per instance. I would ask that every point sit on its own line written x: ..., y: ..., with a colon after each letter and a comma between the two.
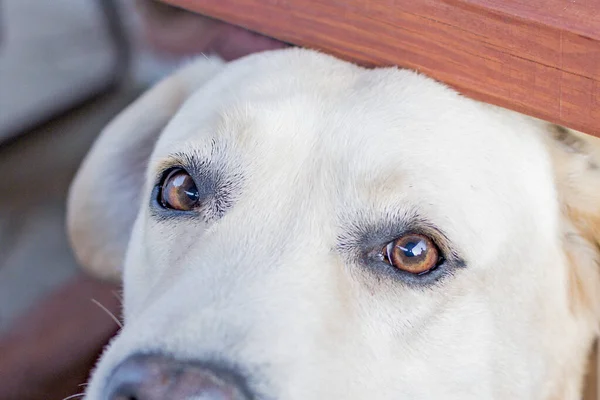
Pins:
x: 316, y: 147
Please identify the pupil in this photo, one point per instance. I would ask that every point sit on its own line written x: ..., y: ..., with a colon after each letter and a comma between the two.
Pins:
x: 192, y: 194
x: 186, y: 185
x: 414, y: 249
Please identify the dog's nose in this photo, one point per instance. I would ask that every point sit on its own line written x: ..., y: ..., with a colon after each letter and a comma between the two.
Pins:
x: 153, y: 377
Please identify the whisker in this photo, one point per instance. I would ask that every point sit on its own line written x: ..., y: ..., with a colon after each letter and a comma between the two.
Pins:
x: 82, y: 384
x: 73, y: 396
x: 118, y: 296
x: 108, y: 312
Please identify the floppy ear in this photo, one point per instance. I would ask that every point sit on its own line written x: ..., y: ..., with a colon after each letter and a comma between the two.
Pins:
x: 576, y: 158
x: 104, y: 196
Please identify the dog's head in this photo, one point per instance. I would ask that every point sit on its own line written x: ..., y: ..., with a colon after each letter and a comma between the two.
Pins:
x: 292, y: 227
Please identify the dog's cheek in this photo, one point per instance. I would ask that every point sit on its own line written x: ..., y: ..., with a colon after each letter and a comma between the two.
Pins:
x: 139, y: 274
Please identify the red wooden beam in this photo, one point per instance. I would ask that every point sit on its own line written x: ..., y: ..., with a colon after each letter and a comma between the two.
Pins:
x: 539, y: 57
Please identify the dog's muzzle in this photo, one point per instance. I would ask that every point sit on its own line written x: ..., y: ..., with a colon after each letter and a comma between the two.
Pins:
x: 154, y: 377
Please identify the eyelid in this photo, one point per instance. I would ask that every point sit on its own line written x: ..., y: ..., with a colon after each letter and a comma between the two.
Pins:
x: 165, y: 167
x: 363, y: 242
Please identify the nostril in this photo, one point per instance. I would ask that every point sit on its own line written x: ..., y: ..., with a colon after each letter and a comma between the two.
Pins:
x: 154, y: 377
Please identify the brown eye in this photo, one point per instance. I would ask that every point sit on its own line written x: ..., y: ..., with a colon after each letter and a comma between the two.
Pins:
x: 412, y: 253
x: 179, y: 192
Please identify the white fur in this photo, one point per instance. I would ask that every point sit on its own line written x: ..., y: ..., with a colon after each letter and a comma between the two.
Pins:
x: 320, y: 146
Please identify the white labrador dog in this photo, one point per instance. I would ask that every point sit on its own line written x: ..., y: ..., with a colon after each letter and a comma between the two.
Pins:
x: 293, y: 227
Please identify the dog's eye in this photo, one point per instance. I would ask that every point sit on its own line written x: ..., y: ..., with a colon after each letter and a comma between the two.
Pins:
x: 412, y: 253
x: 178, y: 191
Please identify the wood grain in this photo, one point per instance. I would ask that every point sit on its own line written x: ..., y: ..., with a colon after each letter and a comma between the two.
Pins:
x: 539, y: 57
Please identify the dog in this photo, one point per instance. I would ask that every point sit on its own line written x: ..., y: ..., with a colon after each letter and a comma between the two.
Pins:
x: 293, y: 226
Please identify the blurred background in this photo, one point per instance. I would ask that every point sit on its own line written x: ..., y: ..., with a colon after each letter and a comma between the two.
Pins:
x: 67, y: 67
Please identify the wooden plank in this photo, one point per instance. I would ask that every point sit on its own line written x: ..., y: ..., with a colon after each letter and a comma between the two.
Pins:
x: 539, y: 57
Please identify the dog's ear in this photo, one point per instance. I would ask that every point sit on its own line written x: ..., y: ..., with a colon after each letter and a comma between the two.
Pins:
x: 104, y: 196
x: 576, y: 159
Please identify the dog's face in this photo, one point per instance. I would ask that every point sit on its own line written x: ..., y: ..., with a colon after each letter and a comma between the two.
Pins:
x: 308, y: 229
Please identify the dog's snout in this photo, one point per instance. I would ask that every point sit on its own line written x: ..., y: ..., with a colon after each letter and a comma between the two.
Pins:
x: 153, y: 377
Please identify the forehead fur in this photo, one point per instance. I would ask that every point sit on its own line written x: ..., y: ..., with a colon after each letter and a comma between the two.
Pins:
x: 385, y: 139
